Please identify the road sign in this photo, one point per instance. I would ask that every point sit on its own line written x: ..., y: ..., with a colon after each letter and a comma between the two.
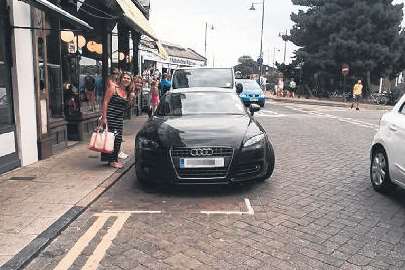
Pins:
x: 260, y: 61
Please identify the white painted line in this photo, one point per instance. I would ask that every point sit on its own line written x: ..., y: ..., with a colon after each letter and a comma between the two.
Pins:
x: 81, y: 244
x: 128, y: 212
x: 348, y: 120
x: 100, y: 251
x: 222, y: 213
x: 249, y: 207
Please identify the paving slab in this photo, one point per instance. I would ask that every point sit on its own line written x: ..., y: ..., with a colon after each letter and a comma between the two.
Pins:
x: 36, y: 197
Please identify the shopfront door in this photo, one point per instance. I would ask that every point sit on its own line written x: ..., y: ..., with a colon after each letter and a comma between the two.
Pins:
x: 8, y: 147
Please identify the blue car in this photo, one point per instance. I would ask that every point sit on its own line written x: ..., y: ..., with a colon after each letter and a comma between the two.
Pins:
x: 252, y: 93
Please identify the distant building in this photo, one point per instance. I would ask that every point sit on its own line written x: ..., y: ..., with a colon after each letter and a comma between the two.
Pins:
x: 176, y: 57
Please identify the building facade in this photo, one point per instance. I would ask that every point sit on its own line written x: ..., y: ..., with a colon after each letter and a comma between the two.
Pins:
x: 175, y: 57
x: 55, y: 59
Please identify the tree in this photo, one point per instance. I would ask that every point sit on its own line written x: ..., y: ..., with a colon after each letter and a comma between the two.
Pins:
x: 365, y: 34
x: 246, y: 66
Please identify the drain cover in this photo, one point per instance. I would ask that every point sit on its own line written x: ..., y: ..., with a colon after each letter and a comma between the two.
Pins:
x: 23, y: 178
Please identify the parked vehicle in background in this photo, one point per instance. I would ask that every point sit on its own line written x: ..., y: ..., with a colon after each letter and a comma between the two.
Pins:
x: 388, y: 150
x: 203, y: 78
x: 251, y: 93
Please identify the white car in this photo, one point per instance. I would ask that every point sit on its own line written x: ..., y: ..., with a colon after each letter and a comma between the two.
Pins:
x: 388, y: 150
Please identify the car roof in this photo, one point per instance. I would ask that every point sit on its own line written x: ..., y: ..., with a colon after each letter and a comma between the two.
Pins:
x: 245, y: 80
x: 188, y: 68
x: 203, y: 89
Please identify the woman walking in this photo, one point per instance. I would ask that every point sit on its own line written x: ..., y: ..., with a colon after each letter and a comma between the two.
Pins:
x: 114, y: 105
x: 155, y: 96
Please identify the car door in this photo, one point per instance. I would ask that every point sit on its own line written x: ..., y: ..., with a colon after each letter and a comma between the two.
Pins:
x: 397, y: 129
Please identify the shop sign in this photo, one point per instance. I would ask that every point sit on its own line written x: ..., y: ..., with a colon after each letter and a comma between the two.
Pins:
x: 71, y: 47
x: 185, y: 62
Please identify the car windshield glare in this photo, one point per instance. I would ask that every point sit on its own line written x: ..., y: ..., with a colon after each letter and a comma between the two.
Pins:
x: 250, y: 85
x: 199, y: 103
x: 205, y: 77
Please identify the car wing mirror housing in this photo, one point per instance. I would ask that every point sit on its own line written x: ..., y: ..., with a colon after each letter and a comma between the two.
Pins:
x: 239, y: 88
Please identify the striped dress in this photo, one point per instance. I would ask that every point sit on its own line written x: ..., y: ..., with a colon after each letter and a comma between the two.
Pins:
x: 115, y: 121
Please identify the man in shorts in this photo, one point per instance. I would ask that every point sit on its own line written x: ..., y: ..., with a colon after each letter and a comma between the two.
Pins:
x: 357, y: 92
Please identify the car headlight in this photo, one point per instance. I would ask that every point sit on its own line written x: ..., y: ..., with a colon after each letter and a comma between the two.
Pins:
x: 147, y: 144
x: 243, y: 95
x: 254, y: 140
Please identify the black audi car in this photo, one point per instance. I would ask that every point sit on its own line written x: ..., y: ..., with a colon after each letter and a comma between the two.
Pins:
x: 203, y: 136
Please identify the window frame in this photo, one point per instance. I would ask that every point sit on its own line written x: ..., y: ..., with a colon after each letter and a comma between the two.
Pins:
x: 402, y: 109
x: 4, y: 25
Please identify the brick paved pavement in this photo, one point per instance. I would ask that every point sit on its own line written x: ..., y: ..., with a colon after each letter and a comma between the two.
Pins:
x: 317, y: 212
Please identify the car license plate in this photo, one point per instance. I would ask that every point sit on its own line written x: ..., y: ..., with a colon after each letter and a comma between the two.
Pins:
x: 202, y: 163
x: 254, y: 99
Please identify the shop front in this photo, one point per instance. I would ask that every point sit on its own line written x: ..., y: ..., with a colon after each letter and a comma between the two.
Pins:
x: 9, y: 158
x: 55, y: 60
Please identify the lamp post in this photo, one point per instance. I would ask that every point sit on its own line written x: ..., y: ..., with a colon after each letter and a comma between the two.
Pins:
x: 285, y: 43
x: 261, y: 36
x: 274, y: 56
x: 206, y: 34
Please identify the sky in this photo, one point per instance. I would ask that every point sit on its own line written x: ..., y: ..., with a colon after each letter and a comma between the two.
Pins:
x: 236, y: 28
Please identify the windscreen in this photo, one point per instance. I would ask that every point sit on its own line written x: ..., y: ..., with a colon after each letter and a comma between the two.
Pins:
x: 205, y: 77
x: 250, y: 85
x: 195, y: 103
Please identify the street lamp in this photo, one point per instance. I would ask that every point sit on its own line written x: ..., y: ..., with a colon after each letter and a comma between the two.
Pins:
x: 284, y: 37
x: 261, y: 36
x: 206, y: 33
x: 274, y: 56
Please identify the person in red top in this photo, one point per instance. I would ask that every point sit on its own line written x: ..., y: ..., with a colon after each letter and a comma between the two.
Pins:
x: 154, y: 102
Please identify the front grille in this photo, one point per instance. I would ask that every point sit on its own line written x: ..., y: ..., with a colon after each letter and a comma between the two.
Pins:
x: 201, y: 173
x: 183, y: 152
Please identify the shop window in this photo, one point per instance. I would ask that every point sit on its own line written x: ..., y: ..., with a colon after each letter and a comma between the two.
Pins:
x: 55, y: 91
x: 55, y: 88
x: 6, y: 118
x: 42, y: 70
x: 90, y: 84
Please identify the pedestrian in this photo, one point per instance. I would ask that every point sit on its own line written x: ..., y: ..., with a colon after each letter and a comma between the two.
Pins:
x: 357, y: 92
x: 90, y: 91
x: 99, y: 88
x: 114, y: 106
x: 164, y: 85
x: 154, y: 102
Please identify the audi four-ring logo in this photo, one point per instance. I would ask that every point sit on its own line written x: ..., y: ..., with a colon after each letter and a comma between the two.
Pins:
x: 202, y: 152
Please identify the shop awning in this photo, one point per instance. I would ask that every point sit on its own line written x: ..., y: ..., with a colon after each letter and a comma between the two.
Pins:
x: 162, y: 51
x: 48, y: 6
x: 136, y: 19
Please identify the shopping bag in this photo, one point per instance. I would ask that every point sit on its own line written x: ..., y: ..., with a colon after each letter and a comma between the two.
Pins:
x: 102, y: 141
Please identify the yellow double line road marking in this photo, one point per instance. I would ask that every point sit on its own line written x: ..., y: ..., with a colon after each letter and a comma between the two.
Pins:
x: 99, y: 253
x: 120, y: 218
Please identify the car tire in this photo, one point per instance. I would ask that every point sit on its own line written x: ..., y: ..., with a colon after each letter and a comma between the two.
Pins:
x: 141, y: 178
x: 379, y: 171
x: 271, y: 162
x: 261, y: 104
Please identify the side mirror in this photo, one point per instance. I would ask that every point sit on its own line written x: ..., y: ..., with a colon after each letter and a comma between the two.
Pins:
x: 239, y: 88
x: 254, y: 108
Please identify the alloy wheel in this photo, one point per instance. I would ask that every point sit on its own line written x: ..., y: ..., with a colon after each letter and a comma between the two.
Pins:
x: 379, y: 169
